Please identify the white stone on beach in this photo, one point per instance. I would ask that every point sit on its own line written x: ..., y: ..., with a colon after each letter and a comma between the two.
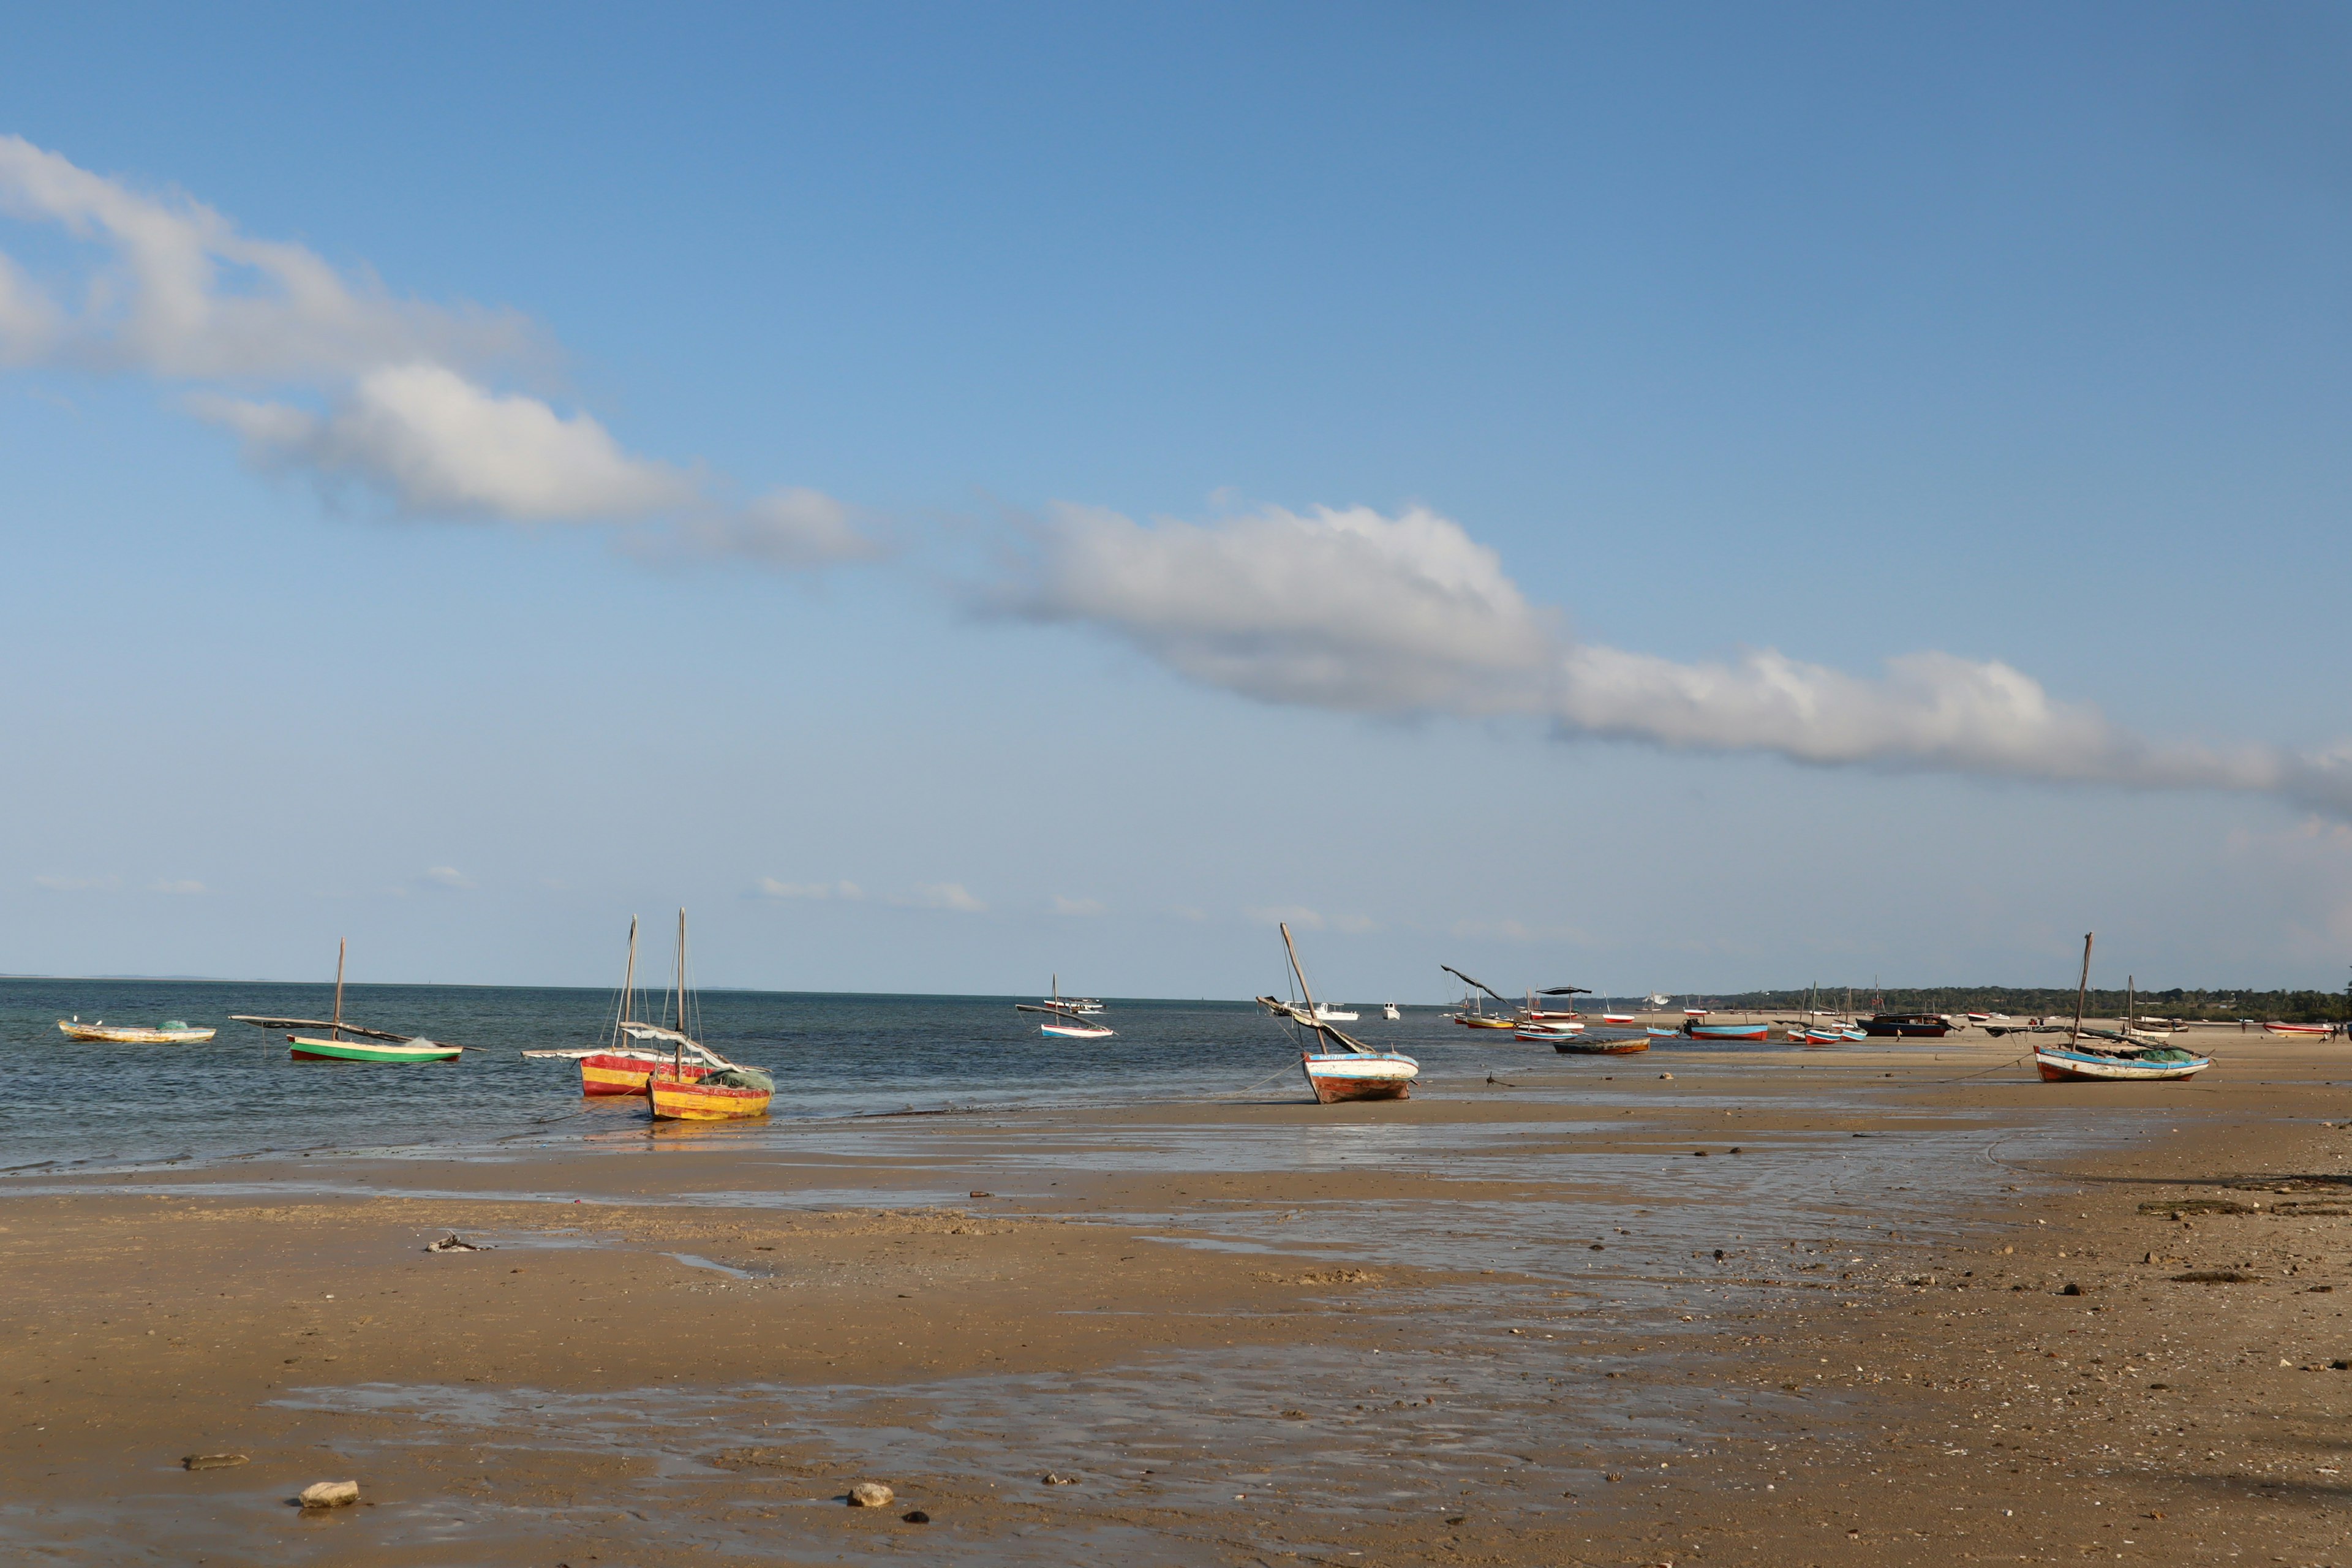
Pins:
x: 870, y: 1494
x: 331, y: 1494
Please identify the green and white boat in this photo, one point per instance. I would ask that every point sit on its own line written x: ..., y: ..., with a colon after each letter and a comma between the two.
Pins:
x: 350, y: 1042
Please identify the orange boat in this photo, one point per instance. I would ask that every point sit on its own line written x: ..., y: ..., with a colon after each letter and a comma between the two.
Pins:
x: 706, y: 1101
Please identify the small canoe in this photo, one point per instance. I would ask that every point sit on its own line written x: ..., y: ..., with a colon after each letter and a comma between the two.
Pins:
x: 1335, y: 1076
x: 170, y: 1033
x: 2077, y: 1064
x: 676, y: 1101
x: 305, y: 1049
x: 1656, y: 1033
x: 1619, y: 1018
x: 1700, y: 1031
x: 1582, y: 1046
x: 1479, y: 1021
x: 1695, y: 1012
x: 1075, y: 1031
x: 2301, y: 1031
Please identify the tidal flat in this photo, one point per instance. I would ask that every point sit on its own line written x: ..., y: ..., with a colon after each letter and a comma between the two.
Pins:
x: 1897, y: 1303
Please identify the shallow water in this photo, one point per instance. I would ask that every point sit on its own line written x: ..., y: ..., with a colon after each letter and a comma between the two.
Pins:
x: 834, y: 1056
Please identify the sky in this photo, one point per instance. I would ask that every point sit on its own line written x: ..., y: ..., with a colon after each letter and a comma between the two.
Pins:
x: 1655, y: 498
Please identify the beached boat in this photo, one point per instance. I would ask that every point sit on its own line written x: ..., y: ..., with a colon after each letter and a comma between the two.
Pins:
x: 1656, y: 1033
x: 171, y: 1032
x: 1545, y: 1031
x: 630, y: 1057
x: 349, y: 1042
x: 1907, y: 1026
x: 1601, y: 1045
x: 726, y: 1093
x: 1622, y: 1020
x: 1337, y: 1066
x: 1068, y: 1019
x: 2125, y: 1059
x: 1698, y: 1031
x: 2300, y: 1031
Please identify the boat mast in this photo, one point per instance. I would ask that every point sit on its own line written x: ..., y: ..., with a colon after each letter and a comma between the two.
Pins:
x: 340, y: 943
x: 2082, y: 990
x: 677, y: 1052
x: 2131, y: 1001
x: 628, y: 986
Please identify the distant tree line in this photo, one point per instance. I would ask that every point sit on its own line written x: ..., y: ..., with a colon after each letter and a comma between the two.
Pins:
x: 2287, y: 1006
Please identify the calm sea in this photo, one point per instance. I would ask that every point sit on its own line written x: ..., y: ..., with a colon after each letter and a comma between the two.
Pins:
x: 834, y: 1056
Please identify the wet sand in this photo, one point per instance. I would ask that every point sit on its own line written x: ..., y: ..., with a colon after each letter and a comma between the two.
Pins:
x: 1779, y: 1308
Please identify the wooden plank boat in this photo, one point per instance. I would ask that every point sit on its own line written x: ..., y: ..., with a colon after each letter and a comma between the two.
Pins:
x: 1070, y: 1020
x: 307, y: 1049
x: 1472, y: 1014
x: 2300, y: 1031
x: 1544, y: 1031
x: 1587, y: 1045
x: 350, y: 1042
x: 699, y: 1102
x: 1621, y: 1019
x: 1907, y: 1026
x: 1484, y: 1021
x: 1698, y: 1031
x: 172, y: 1032
x: 1656, y: 1033
x: 2078, y: 1063
x: 1337, y: 1067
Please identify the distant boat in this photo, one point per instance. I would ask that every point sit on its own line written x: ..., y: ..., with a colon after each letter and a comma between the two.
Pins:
x: 1389, y: 1011
x: 1907, y: 1026
x: 1069, y: 1016
x: 1601, y: 1046
x: 1337, y: 1067
x: 1626, y: 1019
x: 1472, y: 1014
x: 1534, y: 1015
x: 2301, y: 1031
x: 1545, y: 1032
x: 1695, y: 1012
x: 361, y: 1045
x: 1698, y: 1031
x: 171, y: 1032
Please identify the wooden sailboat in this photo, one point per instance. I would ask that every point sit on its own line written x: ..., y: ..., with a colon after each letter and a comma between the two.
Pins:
x: 1472, y: 1014
x: 624, y: 1067
x: 1069, y: 1018
x: 349, y: 1042
x: 726, y: 1093
x: 1337, y: 1067
x: 171, y: 1032
x: 2127, y: 1059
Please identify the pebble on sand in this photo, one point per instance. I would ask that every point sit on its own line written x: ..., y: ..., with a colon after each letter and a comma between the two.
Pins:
x: 329, y: 1494
x: 870, y: 1494
x: 916, y: 1517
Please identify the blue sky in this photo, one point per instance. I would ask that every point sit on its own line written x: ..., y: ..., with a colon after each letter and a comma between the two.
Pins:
x: 950, y: 495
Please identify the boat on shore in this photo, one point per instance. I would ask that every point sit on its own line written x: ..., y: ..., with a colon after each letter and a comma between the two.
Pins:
x: 1337, y: 1066
x: 350, y: 1042
x: 1472, y: 1014
x: 2086, y: 1058
x: 726, y: 1093
x: 171, y: 1032
x: 1907, y: 1026
x: 1701, y: 1031
x: 623, y: 1065
x: 1601, y: 1045
x: 2300, y: 1031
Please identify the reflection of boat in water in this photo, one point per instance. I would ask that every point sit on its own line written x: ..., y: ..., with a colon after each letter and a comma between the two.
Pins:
x: 1337, y: 1067
x: 171, y: 1032
x: 1069, y: 1018
x: 361, y: 1046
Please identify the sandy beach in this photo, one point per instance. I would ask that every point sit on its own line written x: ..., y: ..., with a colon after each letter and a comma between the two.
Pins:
x: 1898, y: 1304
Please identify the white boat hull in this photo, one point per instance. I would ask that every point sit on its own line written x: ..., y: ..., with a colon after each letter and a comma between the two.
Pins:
x: 1075, y: 1031
x: 1335, y: 1076
x: 2061, y: 1065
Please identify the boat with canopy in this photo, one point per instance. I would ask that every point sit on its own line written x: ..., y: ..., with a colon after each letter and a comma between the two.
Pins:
x: 345, y: 1042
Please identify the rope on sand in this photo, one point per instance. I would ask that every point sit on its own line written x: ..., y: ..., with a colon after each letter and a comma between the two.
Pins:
x: 1278, y: 1072
x: 2001, y: 1067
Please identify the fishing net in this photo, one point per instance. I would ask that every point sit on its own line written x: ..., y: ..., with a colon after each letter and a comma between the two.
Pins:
x: 740, y: 1077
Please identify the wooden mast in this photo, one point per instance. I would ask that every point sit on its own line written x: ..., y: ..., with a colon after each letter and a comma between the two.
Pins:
x: 628, y: 980
x: 2131, y: 1002
x: 337, y: 1031
x: 2081, y: 991
x: 677, y: 1052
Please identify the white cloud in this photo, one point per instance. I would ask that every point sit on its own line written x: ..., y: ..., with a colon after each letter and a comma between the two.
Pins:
x: 1355, y: 611
x: 1081, y: 908
x: 948, y: 896
x: 442, y: 446
x: 1288, y: 914
x: 447, y: 877
x: 391, y: 396
x: 181, y: 886
x: 78, y: 884
x: 848, y: 891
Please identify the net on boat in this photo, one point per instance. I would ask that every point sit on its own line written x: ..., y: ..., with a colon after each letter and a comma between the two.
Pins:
x: 739, y: 1078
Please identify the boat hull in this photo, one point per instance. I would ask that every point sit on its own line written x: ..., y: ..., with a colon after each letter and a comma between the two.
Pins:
x: 1906, y: 1029
x: 617, y: 1072
x: 1581, y: 1046
x: 2062, y: 1066
x: 1075, y: 1031
x: 676, y: 1101
x: 1729, y: 1031
x: 1349, y: 1074
x: 303, y: 1050
x: 109, y: 1035
x: 2299, y: 1031
x: 1473, y: 1021
x: 1544, y: 1033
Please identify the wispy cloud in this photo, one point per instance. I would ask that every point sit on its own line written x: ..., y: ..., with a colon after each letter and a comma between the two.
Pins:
x: 447, y: 877
x: 1352, y: 610
x: 369, y: 393
x: 78, y: 884
x: 954, y: 897
x: 180, y: 888
x: 1083, y: 907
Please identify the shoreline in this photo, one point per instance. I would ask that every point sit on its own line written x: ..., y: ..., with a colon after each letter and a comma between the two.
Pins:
x: 1181, y: 1307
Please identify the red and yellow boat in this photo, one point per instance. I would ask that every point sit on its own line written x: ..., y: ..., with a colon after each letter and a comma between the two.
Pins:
x: 741, y: 1095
